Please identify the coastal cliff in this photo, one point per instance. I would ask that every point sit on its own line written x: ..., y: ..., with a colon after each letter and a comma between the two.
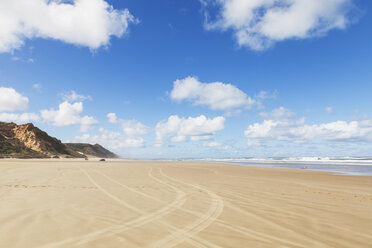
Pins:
x: 92, y: 150
x: 28, y: 141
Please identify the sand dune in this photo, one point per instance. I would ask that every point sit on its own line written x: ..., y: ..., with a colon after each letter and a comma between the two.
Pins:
x: 74, y: 203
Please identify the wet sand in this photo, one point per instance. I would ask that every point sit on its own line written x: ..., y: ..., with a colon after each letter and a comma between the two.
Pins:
x: 75, y: 203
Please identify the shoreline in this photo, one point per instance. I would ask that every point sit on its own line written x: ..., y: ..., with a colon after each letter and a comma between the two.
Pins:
x: 345, y: 169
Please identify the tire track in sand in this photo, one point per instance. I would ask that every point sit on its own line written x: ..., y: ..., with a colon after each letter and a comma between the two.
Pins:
x: 198, y: 239
x: 235, y: 202
x: 239, y: 229
x: 194, y: 228
x: 134, y: 223
x: 143, y: 219
x: 263, y: 237
x: 263, y: 219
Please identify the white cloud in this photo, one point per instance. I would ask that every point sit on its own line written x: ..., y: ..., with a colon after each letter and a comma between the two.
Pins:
x: 19, y: 118
x: 201, y: 137
x: 89, y: 23
x: 279, y: 113
x: 212, y: 144
x: 11, y: 100
x: 112, y: 118
x: 131, y: 128
x: 179, y: 129
x: 262, y: 95
x: 111, y: 140
x: 29, y: 60
x: 72, y: 96
x: 299, y: 131
x: 86, y: 122
x: 216, y: 145
x: 329, y: 110
x: 68, y: 114
x: 179, y: 138
x: 134, y: 128
x: 217, y: 95
x: 258, y: 24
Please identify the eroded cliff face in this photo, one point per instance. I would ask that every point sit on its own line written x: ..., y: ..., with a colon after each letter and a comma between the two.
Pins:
x: 26, y: 135
x: 29, y: 141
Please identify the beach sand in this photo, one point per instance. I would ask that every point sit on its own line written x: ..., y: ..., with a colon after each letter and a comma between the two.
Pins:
x: 75, y: 203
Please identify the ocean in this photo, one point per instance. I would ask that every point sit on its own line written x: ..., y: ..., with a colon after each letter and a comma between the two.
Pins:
x: 353, y: 166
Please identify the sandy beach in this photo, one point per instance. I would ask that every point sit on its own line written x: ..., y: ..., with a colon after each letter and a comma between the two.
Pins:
x: 76, y: 203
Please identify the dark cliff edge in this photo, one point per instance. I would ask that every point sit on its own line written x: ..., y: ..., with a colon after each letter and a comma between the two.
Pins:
x: 91, y: 150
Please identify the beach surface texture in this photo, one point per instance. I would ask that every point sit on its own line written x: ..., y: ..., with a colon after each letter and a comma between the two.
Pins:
x: 118, y: 203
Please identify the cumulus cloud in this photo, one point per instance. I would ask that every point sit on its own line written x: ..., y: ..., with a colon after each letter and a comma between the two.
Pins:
x: 86, y: 122
x: 72, y: 96
x: 216, y: 96
x: 258, y: 24
x: 131, y: 128
x: 299, y: 131
x: 11, y: 100
x: 179, y: 129
x: 19, y: 118
x: 89, y: 23
x: 68, y: 114
x: 278, y: 113
x: 112, y: 118
x: 134, y: 128
x: 111, y: 140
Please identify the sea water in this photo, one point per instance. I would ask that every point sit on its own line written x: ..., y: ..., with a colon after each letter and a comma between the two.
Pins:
x: 355, y: 166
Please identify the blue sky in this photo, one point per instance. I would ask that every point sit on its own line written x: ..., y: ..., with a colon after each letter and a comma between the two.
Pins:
x: 292, y: 79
